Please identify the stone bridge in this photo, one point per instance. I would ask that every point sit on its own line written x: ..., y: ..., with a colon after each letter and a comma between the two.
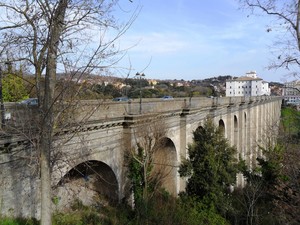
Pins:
x: 89, y: 154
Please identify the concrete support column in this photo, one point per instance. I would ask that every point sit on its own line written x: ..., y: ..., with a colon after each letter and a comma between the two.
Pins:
x: 248, y: 136
x: 241, y: 146
x: 127, y: 142
x: 236, y: 133
x: 229, y: 126
x: 254, y: 135
x: 263, y: 126
x: 241, y: 142
x: 259, y: 128
x: 181, y: 182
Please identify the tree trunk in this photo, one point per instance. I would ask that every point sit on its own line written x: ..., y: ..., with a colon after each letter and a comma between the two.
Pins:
x: 297, y: 25
x: 56, y: 28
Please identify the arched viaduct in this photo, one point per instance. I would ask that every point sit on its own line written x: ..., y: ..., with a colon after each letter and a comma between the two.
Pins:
x: 90, y: 155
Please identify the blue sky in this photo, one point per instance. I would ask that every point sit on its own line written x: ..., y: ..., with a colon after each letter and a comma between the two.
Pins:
x: 197, y: 39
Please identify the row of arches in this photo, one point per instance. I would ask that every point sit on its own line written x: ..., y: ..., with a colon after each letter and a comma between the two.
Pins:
x: 94, y: 182
x: 242, y: 128
x: 251, y: 129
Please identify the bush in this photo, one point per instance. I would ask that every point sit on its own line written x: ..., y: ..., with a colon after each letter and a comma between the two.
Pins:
x: 17, y: 221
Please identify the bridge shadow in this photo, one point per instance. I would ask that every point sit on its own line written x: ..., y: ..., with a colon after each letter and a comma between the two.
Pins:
x: 92, y: 182
x: 165, y: 169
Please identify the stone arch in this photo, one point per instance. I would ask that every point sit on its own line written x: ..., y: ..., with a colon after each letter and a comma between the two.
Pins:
x: 235, y: 131
x: 92, y: 182
x: 222, y: 126
x: 165, y: 165
x: 200, y: 128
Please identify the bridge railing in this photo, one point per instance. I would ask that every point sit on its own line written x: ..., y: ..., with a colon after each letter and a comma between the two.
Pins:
x: 93, y: 110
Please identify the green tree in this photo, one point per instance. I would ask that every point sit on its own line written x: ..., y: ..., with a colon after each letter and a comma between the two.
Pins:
x: 138, y: 173
x: 108, y: 90
x: 256, y: 199
x: 13, y: 88
x: 211, y: 167
x: 272, y: 193
x: 145, y: 171
x: 290, y: 125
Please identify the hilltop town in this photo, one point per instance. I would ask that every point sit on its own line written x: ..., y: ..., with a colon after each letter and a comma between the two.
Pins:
x: 112, y: 87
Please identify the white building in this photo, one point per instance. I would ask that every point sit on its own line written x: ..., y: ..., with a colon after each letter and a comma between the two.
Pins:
x: 291, y: 92
x: 249, y: 85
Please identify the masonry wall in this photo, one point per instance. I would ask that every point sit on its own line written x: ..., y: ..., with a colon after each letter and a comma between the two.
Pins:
x: 108, y: 134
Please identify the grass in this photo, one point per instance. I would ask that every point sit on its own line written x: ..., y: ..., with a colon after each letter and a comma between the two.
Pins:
x: 291, y: 120
x: 17, y: 221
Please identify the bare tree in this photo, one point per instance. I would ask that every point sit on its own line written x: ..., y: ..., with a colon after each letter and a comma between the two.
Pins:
x: 149, y: 166
x: 286, y: 15
x: 47, y: 36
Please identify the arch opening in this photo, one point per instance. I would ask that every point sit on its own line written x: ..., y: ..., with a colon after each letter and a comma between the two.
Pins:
x: 164, y: 165
x: 222, y: 126
x: 91, y: 182
x: 236, y: 131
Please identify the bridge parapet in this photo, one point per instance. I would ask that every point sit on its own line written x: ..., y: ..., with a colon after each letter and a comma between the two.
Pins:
x: 95, y: 110
x: 102, y: 130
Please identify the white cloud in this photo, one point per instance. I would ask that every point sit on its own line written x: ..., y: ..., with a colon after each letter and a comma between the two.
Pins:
x: 156, y: 43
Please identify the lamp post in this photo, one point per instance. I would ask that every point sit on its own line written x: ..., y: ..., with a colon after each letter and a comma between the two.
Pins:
x: 140, y: 75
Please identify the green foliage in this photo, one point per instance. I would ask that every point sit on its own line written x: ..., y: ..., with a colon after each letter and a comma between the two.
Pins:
x: 269, y: 171
x: 136, y: 173
x: 211, y: 167
x: 251, y: 207
x: 168, y: 210
x: 290, y: 121
x: 107, y: 90
x: 80, y: 214
x: 55, y: 200
x: 255, y: 202
x: 139, y: 173
x: 87, y: 217
x: 161, y: 209
x: 193, y: 212
x: 67, y: 219
x: 17, y: 221
x: 13, y: 88
x: 271, y: 165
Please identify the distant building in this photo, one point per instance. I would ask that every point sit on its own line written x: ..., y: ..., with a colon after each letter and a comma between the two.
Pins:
x: 152, y: 82
x: 248, y: 85
x: 291, y: 92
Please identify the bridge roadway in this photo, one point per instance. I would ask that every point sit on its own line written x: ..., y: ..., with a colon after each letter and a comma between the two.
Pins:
x: 88, y: 154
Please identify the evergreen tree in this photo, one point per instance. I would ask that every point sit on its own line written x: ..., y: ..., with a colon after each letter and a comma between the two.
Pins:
x: 13, y: 88
x: 211, y: 167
